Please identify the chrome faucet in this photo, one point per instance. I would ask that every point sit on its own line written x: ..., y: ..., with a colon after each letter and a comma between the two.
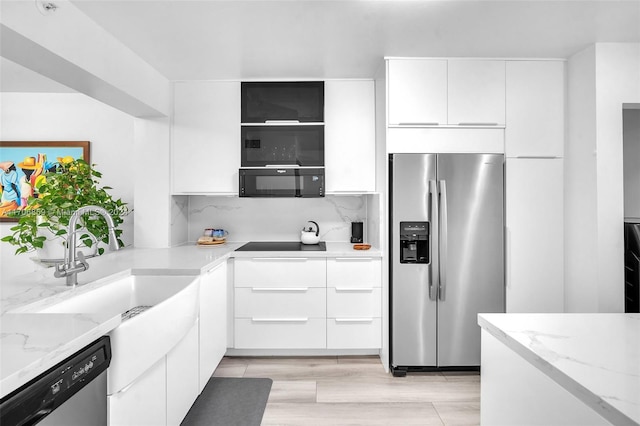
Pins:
x: 75, y: 262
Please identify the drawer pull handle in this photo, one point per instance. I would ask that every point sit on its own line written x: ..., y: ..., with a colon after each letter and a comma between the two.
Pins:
x: 360, y: 289
x: 279, y: 319
x: 298, y: 289
x: 354, y: 319
x: 301, y: 259
x: 354, y: 258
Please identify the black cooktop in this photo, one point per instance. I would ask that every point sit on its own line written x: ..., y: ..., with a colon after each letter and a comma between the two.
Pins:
x: 282, y: 246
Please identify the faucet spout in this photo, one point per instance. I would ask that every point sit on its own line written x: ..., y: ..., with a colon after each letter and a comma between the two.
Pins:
x: 71, y: 266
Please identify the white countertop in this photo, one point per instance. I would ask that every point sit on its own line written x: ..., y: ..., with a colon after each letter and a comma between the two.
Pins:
x: 32, y: 343
x: 596, y: 357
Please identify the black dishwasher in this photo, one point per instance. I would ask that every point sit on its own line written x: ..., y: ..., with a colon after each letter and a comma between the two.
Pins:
x: 74, y: 392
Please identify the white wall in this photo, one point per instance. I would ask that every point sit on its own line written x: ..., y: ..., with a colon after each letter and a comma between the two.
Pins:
x: 601, y: 79
x: 631, y: 149
x: 152, y: 182
x: 71, y: 117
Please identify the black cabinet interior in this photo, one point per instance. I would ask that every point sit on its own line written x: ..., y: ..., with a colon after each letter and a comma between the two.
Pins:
x: 282, y: 145
x: 301, y: 101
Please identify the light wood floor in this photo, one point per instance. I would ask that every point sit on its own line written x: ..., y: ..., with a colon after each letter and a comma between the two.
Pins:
x: 357, y: 391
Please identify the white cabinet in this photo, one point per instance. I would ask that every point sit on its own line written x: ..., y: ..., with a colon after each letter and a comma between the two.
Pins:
x: 350, y: 146
x: 476, y: 92
x: 213, y: 321
x: 417, y: 91
x: 308, y: 303
x: 455, y: 92
x: 280, y: 272
x: 164, y: 393
x: 143, y: 402
x: 535, y: 242
x: 205, y: 153
x: 535, y: 109
x: 182, y: 377
x: 280, y: 303
x: 354, y: 303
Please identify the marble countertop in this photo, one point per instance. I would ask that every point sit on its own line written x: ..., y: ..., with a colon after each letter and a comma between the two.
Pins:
x: 32, y: 343
x: 596, y: 357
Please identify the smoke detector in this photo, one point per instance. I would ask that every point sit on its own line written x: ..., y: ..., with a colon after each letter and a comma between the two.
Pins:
x: 46, y: 7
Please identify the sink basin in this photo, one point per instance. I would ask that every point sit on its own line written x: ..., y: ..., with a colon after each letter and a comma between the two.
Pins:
x: 156, y: 310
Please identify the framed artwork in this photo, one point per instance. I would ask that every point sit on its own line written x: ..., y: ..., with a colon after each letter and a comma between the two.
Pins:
x: 22, y: 163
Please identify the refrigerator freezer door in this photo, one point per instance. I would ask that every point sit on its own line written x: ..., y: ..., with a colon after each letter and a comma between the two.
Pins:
x: 472, y: 281
x: 413, y: 313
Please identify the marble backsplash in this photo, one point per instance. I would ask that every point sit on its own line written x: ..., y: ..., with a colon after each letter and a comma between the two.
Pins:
x: 264, y: 219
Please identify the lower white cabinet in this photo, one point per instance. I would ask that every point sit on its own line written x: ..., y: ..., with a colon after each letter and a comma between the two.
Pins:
x: 164, y: 393
x: 143, y: 402
x: 354, y: 303
x: 182, y: 377
x: 535, y: 237
x: 265, y: 302
x: 213, y: 321
x: 280, y: 333
x: 280, y: 303
x: 354, y: 333
x: 319, y: 303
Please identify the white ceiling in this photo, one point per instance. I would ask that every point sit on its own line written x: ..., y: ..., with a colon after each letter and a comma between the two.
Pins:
x: 242, y: 39
x: 192, y: 40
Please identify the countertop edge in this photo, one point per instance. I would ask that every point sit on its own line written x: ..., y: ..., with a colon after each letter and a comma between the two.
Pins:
x: 20, y: 377
x: 593, y: 401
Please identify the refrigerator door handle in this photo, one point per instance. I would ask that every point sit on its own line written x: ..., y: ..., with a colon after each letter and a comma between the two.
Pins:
x: 442, y: 281
x: 434, y: 272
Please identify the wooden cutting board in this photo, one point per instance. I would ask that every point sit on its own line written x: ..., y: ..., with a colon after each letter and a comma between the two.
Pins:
x: 209, y: 241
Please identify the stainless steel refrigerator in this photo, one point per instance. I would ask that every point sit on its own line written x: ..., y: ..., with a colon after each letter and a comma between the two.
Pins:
x: 447, y: 256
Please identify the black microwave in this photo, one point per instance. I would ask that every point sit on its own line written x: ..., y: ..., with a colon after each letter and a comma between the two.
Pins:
x: 282, y: 182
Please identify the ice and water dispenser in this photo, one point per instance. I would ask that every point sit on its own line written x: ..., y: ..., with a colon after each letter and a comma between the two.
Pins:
x: 414, y: 242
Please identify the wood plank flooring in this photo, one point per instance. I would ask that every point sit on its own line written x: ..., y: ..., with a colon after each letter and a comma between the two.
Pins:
x: 357, y: 391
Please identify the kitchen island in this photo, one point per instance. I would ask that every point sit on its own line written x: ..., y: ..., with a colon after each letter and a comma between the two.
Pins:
x: 560, y: 369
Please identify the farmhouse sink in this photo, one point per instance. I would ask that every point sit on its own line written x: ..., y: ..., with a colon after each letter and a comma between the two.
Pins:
x: 156, y: 311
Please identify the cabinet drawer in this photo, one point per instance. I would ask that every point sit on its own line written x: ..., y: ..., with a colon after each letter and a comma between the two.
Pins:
x: 280, y: 272
x: 353, y: 302
x: 286, y: 333
x: 354, y: 272
x: 280, y: 302
x: 354, y: 333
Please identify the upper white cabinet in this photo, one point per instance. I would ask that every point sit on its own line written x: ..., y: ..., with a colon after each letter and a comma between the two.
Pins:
x: 535, y: 109
x: 205, y: 154
x: 350, y: 146
x: 476, y: 93
x: 455, y: 92
x: 417, y: 91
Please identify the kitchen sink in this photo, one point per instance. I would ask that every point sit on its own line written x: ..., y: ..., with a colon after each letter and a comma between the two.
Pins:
x: 156, y: 312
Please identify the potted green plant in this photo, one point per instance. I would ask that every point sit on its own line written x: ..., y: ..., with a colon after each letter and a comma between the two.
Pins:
x: 69, y: 186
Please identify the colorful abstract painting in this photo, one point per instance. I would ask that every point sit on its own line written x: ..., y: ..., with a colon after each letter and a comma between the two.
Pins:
x: 22, y: 169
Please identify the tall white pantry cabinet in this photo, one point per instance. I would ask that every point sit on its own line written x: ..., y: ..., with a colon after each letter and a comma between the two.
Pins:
x: 534, y: 145
x: 459, y: 105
